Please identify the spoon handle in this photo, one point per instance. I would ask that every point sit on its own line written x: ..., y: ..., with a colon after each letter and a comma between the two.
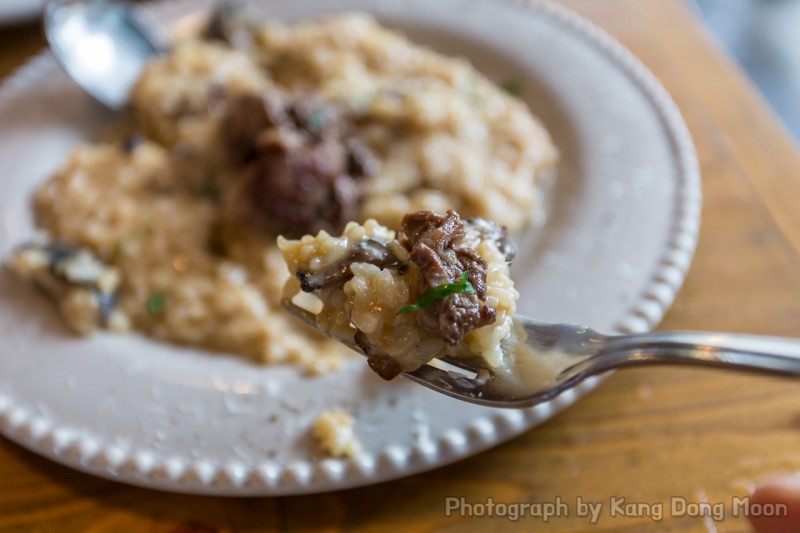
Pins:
x: 772, y: 355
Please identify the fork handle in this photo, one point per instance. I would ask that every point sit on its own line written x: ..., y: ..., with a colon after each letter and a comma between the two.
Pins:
x: 772, y: 355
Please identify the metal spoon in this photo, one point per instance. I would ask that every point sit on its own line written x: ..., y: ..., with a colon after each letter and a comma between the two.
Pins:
x: 103, y: 45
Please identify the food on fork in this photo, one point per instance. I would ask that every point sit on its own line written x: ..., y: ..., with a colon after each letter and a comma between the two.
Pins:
x: 439, y: 286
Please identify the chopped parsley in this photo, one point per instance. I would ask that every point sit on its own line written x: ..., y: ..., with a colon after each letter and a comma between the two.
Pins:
x: 472, y: 92
x: 433, y: 295
x: 208, y: 190
x: 363, y: 100
x: 316, y: 120
x: 512, y: 86
x: 140, y: 231
x: 155, y: 303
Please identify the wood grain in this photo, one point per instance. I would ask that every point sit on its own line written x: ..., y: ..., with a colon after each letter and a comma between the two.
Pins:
x: 646, y: 435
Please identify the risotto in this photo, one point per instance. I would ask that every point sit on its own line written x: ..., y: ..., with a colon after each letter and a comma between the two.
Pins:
x: 284, y: 130
x: 440, y: 286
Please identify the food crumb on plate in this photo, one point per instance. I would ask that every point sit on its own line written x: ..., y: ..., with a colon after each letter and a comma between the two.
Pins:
x: 335, y: 432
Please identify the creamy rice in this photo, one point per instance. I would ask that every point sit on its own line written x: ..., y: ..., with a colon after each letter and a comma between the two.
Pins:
x: 152, y: 210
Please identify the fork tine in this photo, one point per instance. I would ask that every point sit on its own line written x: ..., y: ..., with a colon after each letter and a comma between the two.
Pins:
x: 452, y: 384
x: 469, y: 364
x: 476, y: 390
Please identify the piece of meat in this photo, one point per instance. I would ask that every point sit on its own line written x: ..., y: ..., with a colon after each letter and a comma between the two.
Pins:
x: 456, y: 315
x: 431, y: 240
x: 302, y: 168
x: 296, y: 191
x: 381, y: 364
x: 245, y: 116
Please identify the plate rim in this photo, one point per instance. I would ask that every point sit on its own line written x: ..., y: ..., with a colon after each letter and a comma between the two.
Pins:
x: 19, y: 422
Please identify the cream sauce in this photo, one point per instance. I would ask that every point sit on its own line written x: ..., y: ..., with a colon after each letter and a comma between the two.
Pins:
x: 526, y: 370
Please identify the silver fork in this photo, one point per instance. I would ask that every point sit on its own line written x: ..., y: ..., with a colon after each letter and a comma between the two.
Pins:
x: 545, y: 359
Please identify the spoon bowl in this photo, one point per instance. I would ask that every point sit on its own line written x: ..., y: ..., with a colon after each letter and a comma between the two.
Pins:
x: 103, y: 46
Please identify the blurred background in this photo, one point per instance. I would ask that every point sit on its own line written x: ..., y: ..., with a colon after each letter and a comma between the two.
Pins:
x: 762, y: 36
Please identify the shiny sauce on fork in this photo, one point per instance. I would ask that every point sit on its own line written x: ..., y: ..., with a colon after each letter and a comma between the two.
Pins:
x: 525, y: 370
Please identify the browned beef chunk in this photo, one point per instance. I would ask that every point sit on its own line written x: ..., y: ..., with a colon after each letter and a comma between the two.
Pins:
x: 296, y: 190
x: 381, y: 364
x: 457, y: 315
x: 430, y: 240
x: 244, y: 118
x: 302, y: 168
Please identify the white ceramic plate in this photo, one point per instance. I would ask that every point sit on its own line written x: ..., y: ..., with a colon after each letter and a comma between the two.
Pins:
x: 16, y: 11
x: 613, y: 253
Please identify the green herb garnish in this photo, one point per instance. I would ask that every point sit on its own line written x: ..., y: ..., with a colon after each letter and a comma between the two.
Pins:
x: 512, y: 87
x: 207, y: 190
x: 316, y: 120
x: 140, y: 231
x: 431, y: 296
x: 471, y: 91
x: 155, y: 303
x: 363, y: 100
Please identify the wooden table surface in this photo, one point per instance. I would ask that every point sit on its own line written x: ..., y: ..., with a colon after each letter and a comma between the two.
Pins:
x: 652, y: 436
